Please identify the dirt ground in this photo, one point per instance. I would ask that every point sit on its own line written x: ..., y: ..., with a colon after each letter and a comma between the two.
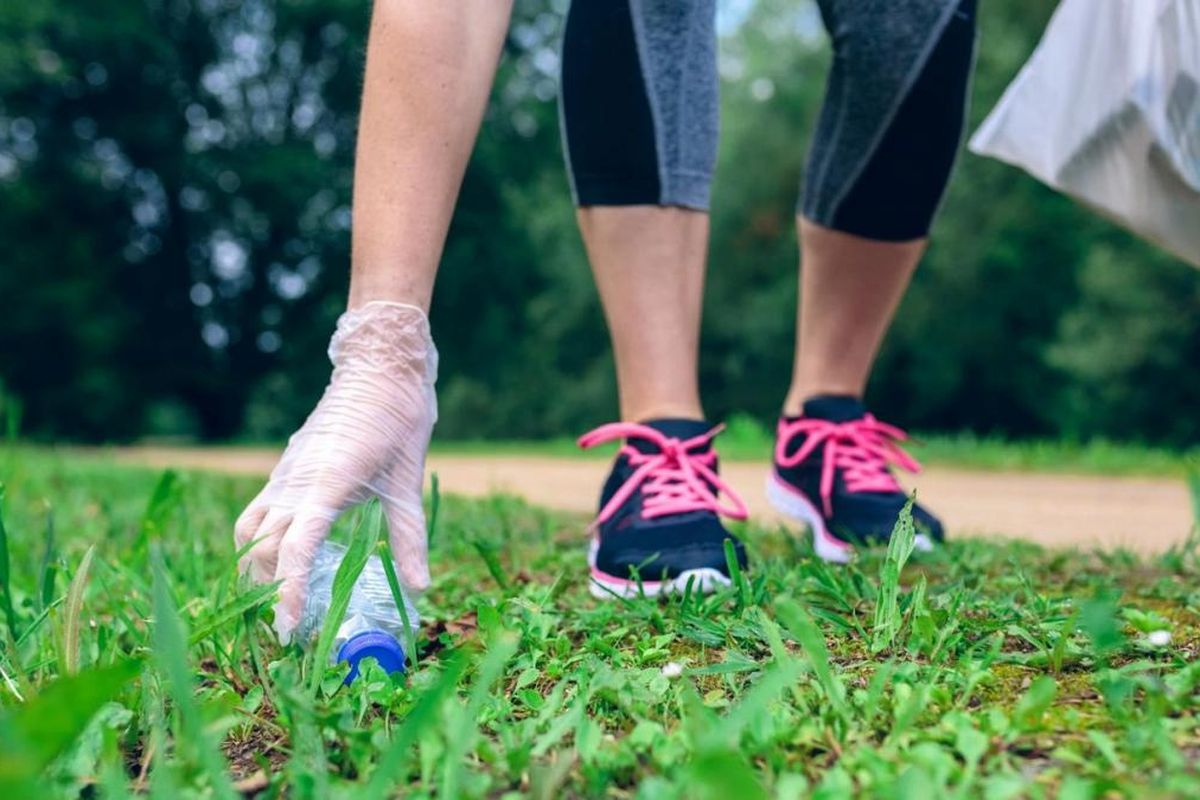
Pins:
x: 1146, y: 515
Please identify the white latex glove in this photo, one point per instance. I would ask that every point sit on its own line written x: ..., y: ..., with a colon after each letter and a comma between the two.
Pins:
x: 366, y: 438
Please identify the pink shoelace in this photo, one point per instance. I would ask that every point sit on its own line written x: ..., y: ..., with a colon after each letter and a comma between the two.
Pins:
x: 863, y: 449
x: 674, y: 480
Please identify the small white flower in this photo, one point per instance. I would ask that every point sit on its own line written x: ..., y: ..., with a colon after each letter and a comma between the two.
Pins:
x: 672, y: 669
x: 1159, y: 638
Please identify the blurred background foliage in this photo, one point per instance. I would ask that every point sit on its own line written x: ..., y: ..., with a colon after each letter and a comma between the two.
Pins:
x: 175, y: 213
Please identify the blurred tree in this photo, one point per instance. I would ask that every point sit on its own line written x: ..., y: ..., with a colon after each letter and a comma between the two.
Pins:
x: 175, y: 201
x: 1129, y: 346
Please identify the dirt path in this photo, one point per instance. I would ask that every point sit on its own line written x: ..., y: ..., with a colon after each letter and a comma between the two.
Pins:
x: 1143, y: 514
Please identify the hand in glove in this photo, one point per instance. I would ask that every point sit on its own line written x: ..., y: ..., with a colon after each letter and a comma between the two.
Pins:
x: 366, y: 438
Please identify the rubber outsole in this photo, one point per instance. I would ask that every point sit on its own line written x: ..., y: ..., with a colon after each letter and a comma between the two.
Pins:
x: 609, y: 587
x: 794, y: 505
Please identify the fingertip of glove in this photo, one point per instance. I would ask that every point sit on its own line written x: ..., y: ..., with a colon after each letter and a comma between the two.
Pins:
x: 415, y: 576
x: 247, y: 524
x: 285, y: 623
x: 283, y: 629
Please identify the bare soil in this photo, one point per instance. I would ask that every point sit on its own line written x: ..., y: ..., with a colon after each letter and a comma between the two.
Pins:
x: 1146, y: 515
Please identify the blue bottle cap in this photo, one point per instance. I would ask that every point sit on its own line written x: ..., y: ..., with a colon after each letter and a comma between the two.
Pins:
x: 378, y: 645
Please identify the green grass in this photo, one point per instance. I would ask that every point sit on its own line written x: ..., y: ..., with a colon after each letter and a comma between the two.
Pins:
x: 746, y: 440
x: 134, y: 661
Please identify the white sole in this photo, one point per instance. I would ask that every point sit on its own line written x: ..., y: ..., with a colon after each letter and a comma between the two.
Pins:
x: 795, y: 506
x: 609, y: 587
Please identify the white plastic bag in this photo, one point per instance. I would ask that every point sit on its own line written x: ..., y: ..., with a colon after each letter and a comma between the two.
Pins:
x: 1107, y: 110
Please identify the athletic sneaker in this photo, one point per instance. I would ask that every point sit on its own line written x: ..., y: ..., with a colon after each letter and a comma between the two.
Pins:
x: 833, y: 472
x: 659, y: 511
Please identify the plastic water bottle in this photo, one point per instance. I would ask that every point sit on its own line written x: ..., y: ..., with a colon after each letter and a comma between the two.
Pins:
x: 372, y: 627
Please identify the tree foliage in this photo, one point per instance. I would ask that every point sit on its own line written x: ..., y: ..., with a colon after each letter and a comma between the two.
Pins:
x: 175, y: 204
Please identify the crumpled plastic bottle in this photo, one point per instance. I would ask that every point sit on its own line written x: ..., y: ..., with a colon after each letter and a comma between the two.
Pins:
x: 372, y: 626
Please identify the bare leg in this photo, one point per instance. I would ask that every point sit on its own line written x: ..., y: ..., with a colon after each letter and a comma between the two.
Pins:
x: 429, y: 70
x: 649, y: 267
x: 849, y: 290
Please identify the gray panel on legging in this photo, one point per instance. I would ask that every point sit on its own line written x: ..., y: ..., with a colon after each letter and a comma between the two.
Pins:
x: 880, y: 49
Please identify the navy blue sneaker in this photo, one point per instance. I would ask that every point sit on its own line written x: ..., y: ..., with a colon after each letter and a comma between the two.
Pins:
x: 659, y: 529
x: 833, y: 472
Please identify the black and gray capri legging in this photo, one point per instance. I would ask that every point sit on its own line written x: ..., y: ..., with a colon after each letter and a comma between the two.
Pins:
x: 639, y: 108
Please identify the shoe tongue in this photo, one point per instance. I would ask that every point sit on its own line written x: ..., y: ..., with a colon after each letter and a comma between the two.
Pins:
x: 675, y: 427
x: 834, y: 407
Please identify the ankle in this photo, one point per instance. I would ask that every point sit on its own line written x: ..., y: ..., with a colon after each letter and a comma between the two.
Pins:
x: 793, y: 404
x: 641, y: 412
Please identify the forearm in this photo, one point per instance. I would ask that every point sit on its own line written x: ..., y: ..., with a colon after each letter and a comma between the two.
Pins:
x: 429, y: 70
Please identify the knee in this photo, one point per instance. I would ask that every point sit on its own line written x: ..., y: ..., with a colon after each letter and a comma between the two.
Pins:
x: 879, y: 38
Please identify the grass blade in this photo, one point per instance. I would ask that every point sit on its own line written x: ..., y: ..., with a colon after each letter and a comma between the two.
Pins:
x: 36, y: 622
x: 389, y: 569
x: 806, y: 632
x: 420, y: 719
x: 233, y: 610
x: 42, y: 729
x: 9, y: 681
x: 10, y: 616
x: 435, y: 504
x: 358, y: 552
x: 113, y: 783
x: 737, y: 576
x: 887, y: 607
x: 169, y: 641
x: 308, y: 767
x: 921, y: 628
x: 163, y: 502
x: 875, y: 689
x: 72, y: 627
x: 753, y: 704
x: 720, y: 774
x: 1027, y: 713
x: 45, y: 594
x: 465, y: 729
x: 487, y: 554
